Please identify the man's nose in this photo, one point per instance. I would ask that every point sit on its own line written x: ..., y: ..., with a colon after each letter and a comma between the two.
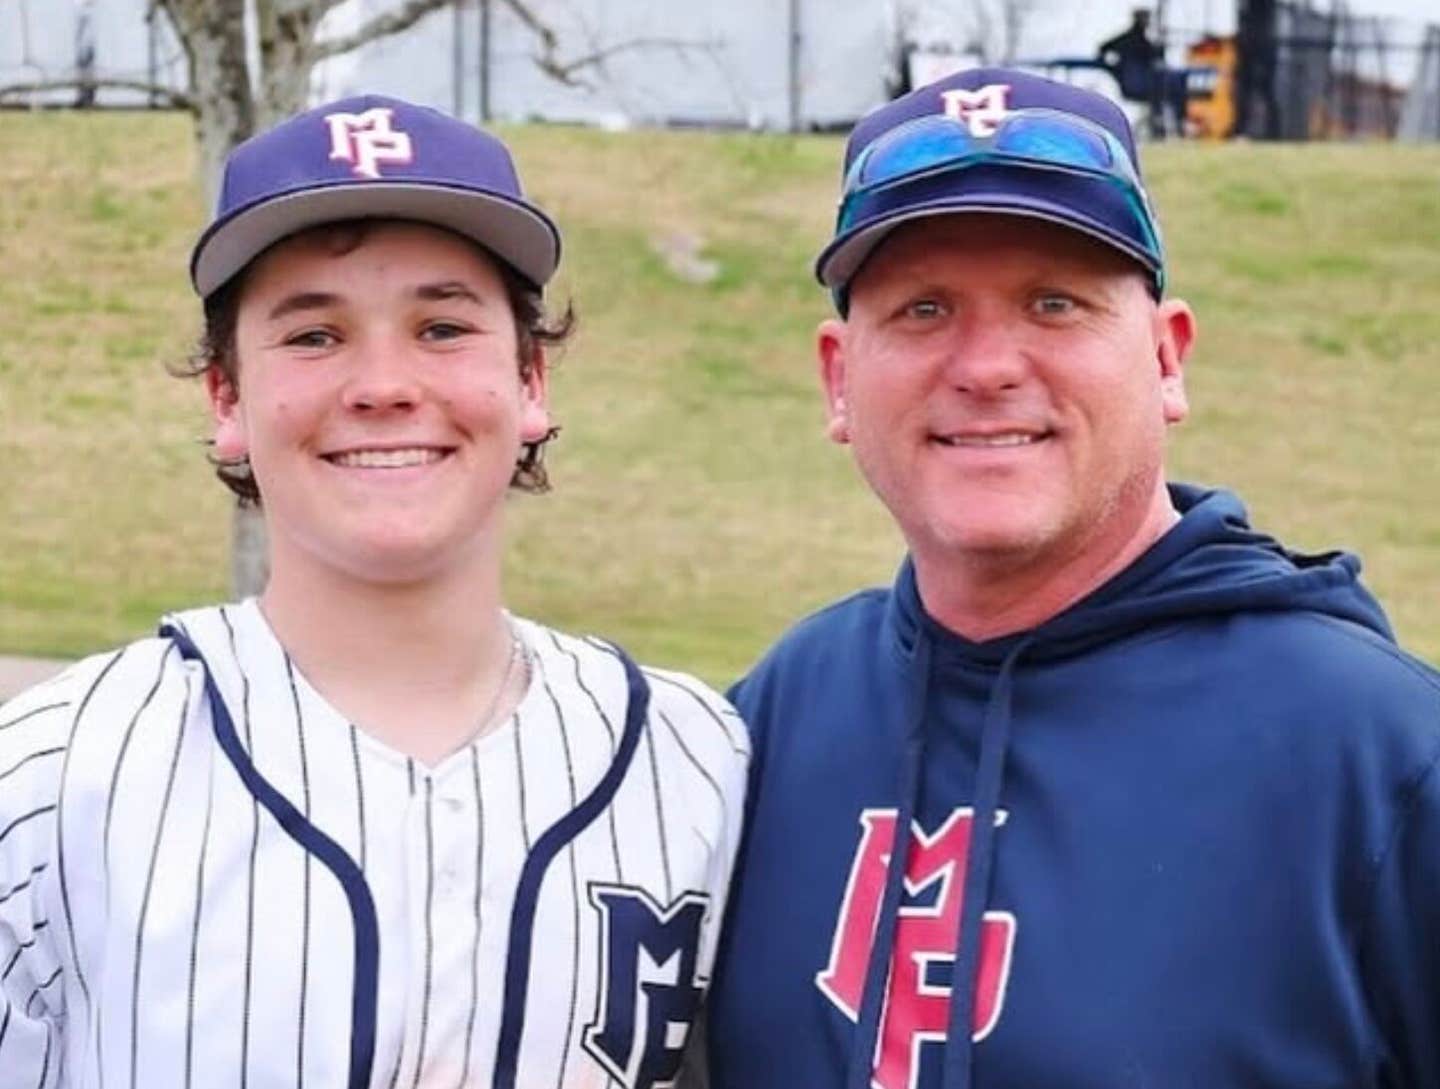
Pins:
x: 986, y: 355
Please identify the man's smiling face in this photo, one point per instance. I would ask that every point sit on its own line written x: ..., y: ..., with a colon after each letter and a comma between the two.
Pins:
x: 1005, y: 384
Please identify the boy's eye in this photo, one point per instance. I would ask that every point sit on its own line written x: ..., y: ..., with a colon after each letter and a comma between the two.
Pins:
x: 311, y: 338
x: 443, y: 330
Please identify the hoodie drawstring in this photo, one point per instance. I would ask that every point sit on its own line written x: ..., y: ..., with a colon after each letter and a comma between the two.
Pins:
x: 865, y: 1047
x: 975, y: 894
x: 994, y: 744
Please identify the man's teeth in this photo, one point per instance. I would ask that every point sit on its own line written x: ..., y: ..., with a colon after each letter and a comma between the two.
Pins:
x: 1009, y: 438
x: 386, y: 459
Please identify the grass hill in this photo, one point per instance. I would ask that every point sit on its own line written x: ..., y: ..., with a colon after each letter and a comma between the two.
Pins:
x: 698, y: 508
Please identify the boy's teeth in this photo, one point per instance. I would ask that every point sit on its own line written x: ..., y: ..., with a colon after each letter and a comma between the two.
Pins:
x: 386, y: 459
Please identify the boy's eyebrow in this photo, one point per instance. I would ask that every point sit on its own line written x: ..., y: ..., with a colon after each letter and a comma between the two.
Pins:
x: 318, y: 300
x: 302, y: 300
x: 448, y: 289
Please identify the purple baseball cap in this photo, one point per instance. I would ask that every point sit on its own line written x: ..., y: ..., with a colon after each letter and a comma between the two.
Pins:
x: 365, y: 158
x: 983, y: 98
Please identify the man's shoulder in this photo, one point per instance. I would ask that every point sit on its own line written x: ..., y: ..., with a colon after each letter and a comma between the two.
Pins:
x: 1342, y: 694
x: 828, y: 645
x: 1347, y: 660
x: 833, y: 627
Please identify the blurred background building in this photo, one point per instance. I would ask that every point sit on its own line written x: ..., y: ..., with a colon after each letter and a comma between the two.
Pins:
x: 1265, y: 69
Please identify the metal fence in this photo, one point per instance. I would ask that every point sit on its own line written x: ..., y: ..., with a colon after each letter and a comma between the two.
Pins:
x: 1307, y: 73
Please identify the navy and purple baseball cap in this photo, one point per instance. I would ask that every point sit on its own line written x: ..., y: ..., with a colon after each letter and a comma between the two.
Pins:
x: 993, y: 140
x: 372, y: 157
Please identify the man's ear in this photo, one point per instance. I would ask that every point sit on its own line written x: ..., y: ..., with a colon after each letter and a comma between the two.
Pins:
x: 1175, y: 336
x: 830, y: 350
x: 535, y: 397
x: 231, y: 441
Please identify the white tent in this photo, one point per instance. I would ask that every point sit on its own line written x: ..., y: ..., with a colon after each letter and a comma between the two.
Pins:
x: 1420, y: 115
x: 756, y: 63
x: 663, y: 62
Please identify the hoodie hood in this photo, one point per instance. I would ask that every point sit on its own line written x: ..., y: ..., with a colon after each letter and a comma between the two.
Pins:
x: 1211, y: 563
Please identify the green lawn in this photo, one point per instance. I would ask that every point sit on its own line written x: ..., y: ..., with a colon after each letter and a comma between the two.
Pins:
x: 698, y: 509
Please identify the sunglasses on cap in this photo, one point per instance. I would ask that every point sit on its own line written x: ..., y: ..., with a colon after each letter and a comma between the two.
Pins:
x: 1033, y: 138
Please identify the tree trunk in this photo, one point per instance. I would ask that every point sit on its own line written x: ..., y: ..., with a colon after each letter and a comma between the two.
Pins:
x: 287, y: 39
x: 213, y: 34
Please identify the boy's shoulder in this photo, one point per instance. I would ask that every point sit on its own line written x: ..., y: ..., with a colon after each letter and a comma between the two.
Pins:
x: 678, y: 701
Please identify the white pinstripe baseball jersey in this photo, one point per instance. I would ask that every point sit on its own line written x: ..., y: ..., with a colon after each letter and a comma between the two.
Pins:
x: 209, y: 878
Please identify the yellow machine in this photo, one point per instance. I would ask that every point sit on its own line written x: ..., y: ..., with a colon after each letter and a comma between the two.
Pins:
x: 1210, y: 107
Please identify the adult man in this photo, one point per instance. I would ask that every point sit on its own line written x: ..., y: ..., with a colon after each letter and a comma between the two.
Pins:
x: 1132, y: 56
x: 1165, y: 790
x: 1138, y: 64
x: 369, y: 830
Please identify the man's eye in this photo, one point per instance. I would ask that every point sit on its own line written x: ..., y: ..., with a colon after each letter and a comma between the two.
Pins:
x: 1054, y: 304
x: 924, y: 309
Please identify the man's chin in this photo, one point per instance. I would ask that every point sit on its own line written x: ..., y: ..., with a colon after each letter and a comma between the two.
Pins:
x: 999, y: 539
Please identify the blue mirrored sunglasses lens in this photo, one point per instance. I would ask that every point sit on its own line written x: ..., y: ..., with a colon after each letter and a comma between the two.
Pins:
x: 1049, y: 140
x: 935, y: 144
x: 915, y: 150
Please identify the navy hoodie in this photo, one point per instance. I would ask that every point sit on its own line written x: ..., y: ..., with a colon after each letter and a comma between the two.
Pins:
x: 1186, y: 833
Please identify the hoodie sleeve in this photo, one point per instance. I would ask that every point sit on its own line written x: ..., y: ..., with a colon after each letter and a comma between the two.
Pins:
x: 1400, y: 940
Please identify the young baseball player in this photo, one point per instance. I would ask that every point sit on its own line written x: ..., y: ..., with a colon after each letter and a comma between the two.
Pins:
x: 369, y: 829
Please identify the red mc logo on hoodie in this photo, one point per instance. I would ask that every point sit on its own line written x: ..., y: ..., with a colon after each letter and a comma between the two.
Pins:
x: 915, y: 1008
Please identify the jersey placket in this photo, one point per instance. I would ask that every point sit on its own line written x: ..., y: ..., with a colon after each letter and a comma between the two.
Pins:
x: 444, y: 853
x: 418, y: 895
x: 455, y: 920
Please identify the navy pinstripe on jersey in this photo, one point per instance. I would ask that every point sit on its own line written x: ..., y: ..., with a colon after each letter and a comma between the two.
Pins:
x: 161, y: 807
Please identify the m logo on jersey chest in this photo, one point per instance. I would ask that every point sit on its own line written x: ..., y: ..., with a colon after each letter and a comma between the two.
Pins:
x: 649, y: 987
x: 917, y: 1003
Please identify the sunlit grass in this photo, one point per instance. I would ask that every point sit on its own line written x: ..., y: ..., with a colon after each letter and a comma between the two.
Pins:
x: 698, y: 509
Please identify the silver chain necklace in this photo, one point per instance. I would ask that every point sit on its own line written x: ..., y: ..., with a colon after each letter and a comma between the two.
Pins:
x: 518, y: 653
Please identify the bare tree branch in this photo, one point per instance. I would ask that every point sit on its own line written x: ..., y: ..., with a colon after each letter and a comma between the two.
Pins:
x: 177, y: 99
x: 537, y: 26
x: 564, y: 71
x: 381, y: 26
x: 289, y: 9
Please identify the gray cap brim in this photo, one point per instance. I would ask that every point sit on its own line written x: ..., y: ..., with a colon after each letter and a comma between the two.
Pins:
x: 516, y: 232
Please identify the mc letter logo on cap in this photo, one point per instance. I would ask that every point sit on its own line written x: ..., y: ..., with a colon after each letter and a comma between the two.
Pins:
x: 982, y: 110
x: 367, y: 140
